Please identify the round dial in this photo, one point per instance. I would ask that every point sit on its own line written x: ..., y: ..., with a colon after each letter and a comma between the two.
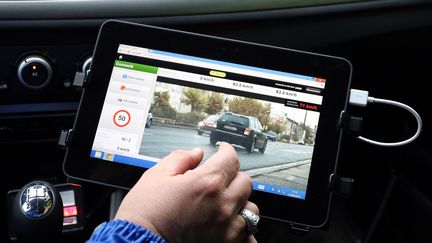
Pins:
x: 34, y: 72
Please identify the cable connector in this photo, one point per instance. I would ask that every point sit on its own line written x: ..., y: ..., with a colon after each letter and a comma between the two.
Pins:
x: 351, y: 124
x: 358, y: 97
x: 361, y: 98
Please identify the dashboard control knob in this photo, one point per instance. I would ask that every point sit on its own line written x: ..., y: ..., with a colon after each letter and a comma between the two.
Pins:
x: 34, y: 72
x: 36, y: 200
x: 86, y: 65
x: 37, y: 213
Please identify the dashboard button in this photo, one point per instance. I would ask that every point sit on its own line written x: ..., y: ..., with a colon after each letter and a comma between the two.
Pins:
x: 3, y: 86
x: 34, y: 72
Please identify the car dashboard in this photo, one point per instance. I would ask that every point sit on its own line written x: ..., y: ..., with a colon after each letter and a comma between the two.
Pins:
x: 387, y: 42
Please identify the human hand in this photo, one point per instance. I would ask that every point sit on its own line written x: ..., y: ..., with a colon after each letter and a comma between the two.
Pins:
x: 182, y: 202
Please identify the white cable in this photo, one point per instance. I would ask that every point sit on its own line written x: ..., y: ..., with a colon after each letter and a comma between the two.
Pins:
x: 358, y: 98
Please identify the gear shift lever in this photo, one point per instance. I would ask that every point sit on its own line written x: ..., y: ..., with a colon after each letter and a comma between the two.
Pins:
x: 38, y: 213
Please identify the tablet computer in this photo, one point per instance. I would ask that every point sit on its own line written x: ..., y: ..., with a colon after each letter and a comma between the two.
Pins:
x: 153, y: 90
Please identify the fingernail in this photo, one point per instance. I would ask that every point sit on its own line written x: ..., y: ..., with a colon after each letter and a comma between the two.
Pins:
x: 223, y: 143
x: 197, y: 150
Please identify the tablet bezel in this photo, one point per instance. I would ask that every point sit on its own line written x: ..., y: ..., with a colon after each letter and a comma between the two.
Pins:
x: 313, y: 210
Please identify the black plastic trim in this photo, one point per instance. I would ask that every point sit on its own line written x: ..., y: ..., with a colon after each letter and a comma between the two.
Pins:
x: 37, y: 13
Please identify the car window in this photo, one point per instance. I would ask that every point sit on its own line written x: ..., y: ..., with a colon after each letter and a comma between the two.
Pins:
x: 213, y: 117
x: 252, y: 123
x: 259, y: 125
x: 235, y: 119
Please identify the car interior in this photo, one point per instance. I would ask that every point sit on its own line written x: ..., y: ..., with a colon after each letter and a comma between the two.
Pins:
x: 386, y: 41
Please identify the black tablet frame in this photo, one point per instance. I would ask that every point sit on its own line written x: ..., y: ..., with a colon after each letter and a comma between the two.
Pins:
x: 313, y: 210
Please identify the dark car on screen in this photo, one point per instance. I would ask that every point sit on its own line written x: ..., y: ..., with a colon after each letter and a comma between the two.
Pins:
x: 245, y: 131
x: 271, y: 136
x: 207, y: 125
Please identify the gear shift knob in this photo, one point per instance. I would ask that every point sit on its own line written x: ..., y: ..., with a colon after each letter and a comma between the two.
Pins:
x: 38, y: 213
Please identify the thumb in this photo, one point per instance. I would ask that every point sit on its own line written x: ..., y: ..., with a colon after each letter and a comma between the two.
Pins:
x: 180, y: 161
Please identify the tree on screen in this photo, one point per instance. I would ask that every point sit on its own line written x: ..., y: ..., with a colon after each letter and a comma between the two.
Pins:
x: 264, y: 114
x: 215, y: 103
x: 276, y: 127
x: 308, y: 136
x: 161, y: 106
x: 161, y: 98
x: 196, y: 98
x: 251, y: 107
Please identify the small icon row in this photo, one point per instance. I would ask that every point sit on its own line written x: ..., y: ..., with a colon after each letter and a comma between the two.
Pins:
x: 104, y: 155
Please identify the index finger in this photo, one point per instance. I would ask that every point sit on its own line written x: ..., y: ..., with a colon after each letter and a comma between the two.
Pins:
x: 180, y: 161
x: 224, y: 162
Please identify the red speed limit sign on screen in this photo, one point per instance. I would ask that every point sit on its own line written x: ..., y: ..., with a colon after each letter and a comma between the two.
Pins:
x: 121, y: 118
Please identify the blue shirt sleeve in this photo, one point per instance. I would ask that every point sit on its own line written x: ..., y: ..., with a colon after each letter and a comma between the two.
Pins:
x: 116, y: 231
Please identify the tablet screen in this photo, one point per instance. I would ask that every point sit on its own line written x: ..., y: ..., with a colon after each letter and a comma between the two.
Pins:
x: 160, y: 101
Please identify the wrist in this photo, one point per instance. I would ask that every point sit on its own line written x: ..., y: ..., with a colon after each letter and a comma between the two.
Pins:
x: 138, y: 220
x: 125, y: 231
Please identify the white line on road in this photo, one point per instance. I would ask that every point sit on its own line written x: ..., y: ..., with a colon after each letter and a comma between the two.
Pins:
x: 269, y: 169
